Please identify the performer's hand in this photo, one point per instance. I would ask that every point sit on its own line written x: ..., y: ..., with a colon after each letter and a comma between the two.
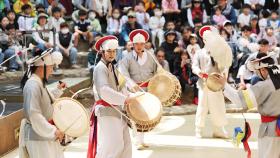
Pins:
x: 59, y: 135
x: 221, y: 79
x: 61, y: 85
x: 202, y: 75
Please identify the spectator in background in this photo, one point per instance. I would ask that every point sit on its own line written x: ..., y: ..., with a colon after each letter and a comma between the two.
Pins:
x: 12, y: 47
x: 19, y: 3
x: 93, y: 56
x: 12, y: 19
x: 84, y: 5
x: 263, y: 21
x: 271, y: 5
x: 218, y: 17
x: 128, y: 49
x: 196, y: 12
x: 156, y: 24
x: 40, y: 8
x: 233, y: 36
x: 104, y: 10
x: 209, y: 4
x: 82, y: 29
x: 270, y: 37
x: 121, y: 4
x: 193, y: 47
x: 170, y: 10
x: 149, y: 47
x: 171, y: 48
x: 56, y: 20
x: 256, y: 5
x: 185, y: 5
x: 44, y: 40
x: 244, y: 17
x: 228, y: 11
x: 25, y: 20
x: 255, y: 25
x: 244, y: 76
x: 65, y: 45
x: 55, y: 4
x: 114, y: 23
x: 183, y: 71
x: 141, y: 16
x: 95, y: 26
x: 245, y: 41
x: 170, y: 25
x: 161, y: 59
x: 185, y: 40
x: 274, y: 22
x: 4, y: 24
x: 129, y: 26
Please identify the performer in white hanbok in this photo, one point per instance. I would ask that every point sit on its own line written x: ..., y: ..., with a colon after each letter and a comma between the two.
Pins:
x: 39, y: 137
x: 109, y: 134
x: 138, y: 67
x: 265, y: 96
x: 206, y: 62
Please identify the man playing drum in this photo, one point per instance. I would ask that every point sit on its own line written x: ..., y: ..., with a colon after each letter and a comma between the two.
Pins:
x: 204, y: 65
x: 108, y: 127
x: 38, y: 136
x: 138, y: 67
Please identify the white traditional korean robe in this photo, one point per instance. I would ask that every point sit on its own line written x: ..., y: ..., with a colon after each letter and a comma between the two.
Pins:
x: 37, y: 134
x: 113, y: 139
x: 208, y: 100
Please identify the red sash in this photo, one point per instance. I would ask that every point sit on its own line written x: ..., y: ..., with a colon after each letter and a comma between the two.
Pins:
x: 92, y: 145
x: 267, y: 119
x: 143, y: 84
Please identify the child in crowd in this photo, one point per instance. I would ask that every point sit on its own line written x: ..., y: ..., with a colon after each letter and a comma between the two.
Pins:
x: 274, y: 22
x: 270, y: 37
x: 114, y: 26
x: 244, y: 18
x: 149, y: 47
x: 141, y: 16
x: 55, y: 4
x: 65, y: 44
x: 56, y: 20
x: 95, y: 26
x: 11, y: 15
x: 219, y: 18
x: 244, y: 77
x: 25, y: 20
x: 82, y: 29
x: 263, y: 21
x: 156, y: 24
x: 193, y: 47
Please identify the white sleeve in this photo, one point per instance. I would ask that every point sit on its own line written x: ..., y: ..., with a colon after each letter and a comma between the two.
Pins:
x: 196, y: 66
x: 21, y: 23
x: 111, y: 96
x: 232, y: 95
x: 152, y: 23
x: 37, y: 38
x: 39, y: 123
x: 190, y: 20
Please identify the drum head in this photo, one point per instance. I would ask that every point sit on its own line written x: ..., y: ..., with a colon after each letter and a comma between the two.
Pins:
x: 162, y: 86
x: 145, y: 108
x: 70, y: 117
x: 212, y: 83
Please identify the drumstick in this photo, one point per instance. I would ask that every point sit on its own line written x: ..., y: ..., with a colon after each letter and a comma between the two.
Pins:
x: 72, y: 124
x: 60, y: 82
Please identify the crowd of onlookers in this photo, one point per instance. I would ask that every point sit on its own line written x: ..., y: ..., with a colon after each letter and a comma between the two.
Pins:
x: 249, y: 26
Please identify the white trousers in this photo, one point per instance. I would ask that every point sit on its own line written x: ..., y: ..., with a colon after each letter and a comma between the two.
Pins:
x: 113, y: 139
x: 157, y: 33
x: 269, y: 147
x: 214, y: 103
x: 139, y: 138
x: 44, y: 149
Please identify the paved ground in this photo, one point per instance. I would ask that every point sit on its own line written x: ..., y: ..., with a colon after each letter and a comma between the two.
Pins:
x: 174, y: 138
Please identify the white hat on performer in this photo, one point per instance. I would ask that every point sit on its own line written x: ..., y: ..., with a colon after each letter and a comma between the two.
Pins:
x: 139, y: 36
x: 46, y: 58
x: 106, y: 43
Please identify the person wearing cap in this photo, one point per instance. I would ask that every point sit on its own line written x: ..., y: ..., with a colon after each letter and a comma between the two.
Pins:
x: 44, y: 40
x: 171, y: 48
x: 265, y: 96
x: 204, y: 64
x: 38, y: 135
x: 65, y: 45
x: 233, y: 35
x: 138, y: 67
x: 254, y: 24
x: 228, y: 11
x: 129, y: 26
x: 112, y: 138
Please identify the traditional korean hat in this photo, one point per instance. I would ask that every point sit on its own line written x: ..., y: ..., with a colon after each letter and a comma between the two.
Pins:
x: 139, y: 36
x: 206, y: 28
x: 106, y: 43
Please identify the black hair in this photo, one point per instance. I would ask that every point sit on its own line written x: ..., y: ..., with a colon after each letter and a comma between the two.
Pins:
x: 56, y: 10
x: 10, y: 11
x: 246, y: 28
x: 82, y: 13
x: 263, y: 42
x: 268, y: 60
x: 246, y: 6
x: 274, y: 11
x: 40, y: 6
x: 26, y: 76
x: 64, y: 24
x: 265, y: 13
x: 25, y: 7
x: 10, y: 26
x: 159, y: 50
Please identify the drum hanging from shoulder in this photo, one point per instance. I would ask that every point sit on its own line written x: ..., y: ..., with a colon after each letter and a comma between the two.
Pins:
x: 166, y: 87
x: 145, y: 110
x: 70, y: 117
x: 212, y: 83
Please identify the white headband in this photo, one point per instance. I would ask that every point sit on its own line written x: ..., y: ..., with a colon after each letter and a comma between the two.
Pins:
x: 110, y: 44
x: 139, y: 38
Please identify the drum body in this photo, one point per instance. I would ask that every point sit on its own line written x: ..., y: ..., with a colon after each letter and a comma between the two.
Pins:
x: 70, y: 117
x: 212, y: 83
x: 166, y: 87
x: 145, y: 110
